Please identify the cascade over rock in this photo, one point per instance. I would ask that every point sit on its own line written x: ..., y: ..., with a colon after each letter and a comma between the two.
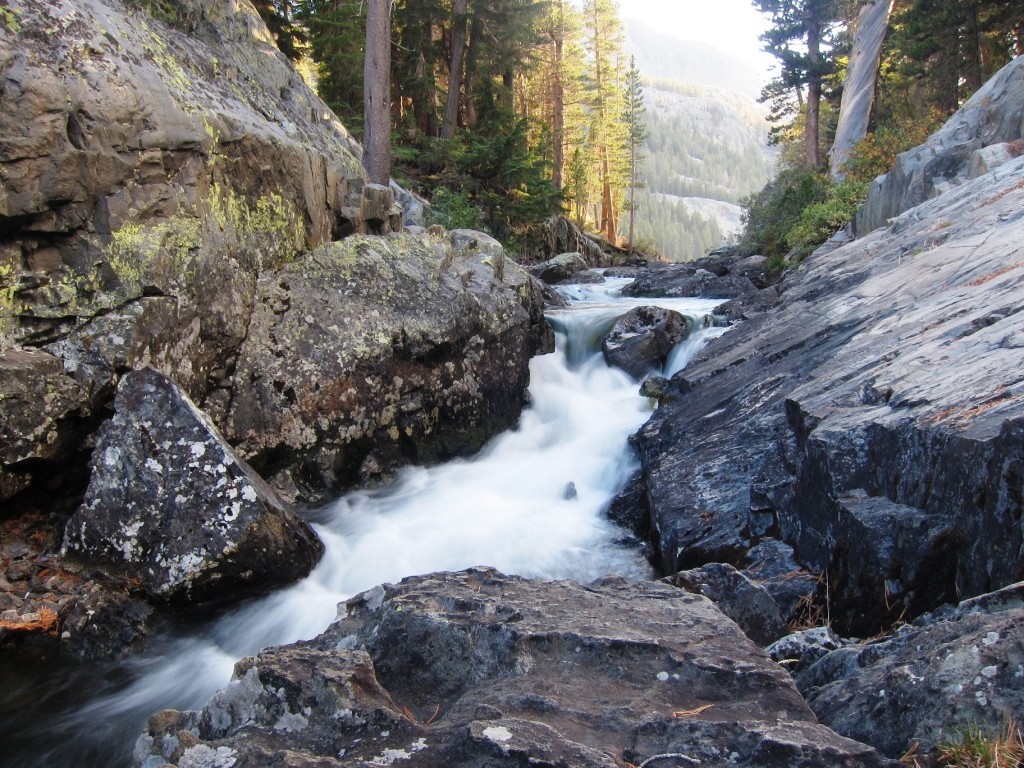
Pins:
x: 643, y: 338
x: 171, y: 504
x: 164, y: 174
x: 480, y: 669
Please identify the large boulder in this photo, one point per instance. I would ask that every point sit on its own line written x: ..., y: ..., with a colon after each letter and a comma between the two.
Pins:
x: 479, y: 669
x: 155, y: 158
x: 967, y: 146
x: 643, y: 338
x: 959, y: 668
x: 872, y: 420
x: 371, y: 353
x: 560, y: 267
x: 172, y: 505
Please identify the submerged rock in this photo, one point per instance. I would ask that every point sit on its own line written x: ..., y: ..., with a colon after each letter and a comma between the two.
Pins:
x: 172, y: 505
x: 643, y: 338
x: 479, y: 669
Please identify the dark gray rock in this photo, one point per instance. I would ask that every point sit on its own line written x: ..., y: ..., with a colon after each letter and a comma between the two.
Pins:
x: 747, y: 603
x: 374, y: 353
x: 798, y: 651
x: 872, y: 420
x: 41, y: 415
x: 771, y: 564
x: 708, y: 279
x: 643, y: 338
x: 559, y: 268
x: 586, y: 277
x: 171, y: 504
x: 629, y: 509
x: 657, y: 387
x: 477, y: 669
x: 927, y: 681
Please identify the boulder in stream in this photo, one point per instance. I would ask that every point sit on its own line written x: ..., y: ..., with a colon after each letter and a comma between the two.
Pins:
x: 479, y: 669
x: 643, y: 338
x: 172, y: 505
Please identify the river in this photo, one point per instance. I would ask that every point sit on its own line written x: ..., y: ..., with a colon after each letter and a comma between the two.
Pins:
x: 510, y: 507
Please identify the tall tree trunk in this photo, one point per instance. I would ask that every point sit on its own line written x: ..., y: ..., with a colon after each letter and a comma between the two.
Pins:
x: 558, y: 110
x: 632, y: 195
x: 472, y: 57
x: 861, y: 78
x: 377, y: 93
x: 811, y: 125
x: 451, y: 111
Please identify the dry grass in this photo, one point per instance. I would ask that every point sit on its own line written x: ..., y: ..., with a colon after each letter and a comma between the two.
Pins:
x: 975, y: 749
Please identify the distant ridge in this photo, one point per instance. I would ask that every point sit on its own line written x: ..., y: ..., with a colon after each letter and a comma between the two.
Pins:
x: 664, y: 55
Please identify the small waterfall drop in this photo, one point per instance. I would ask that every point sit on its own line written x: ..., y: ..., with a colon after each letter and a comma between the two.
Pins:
x: 531, y: 503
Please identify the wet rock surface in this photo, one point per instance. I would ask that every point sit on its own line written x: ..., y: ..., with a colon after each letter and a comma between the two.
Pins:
x: 372, y: 353
x: 960, y: 667
x: 171, y: 505
x: 479, y: 669
x: 726, y: 277
x: 747, y: 603
x: 643, y: 338
x: 871, y: 421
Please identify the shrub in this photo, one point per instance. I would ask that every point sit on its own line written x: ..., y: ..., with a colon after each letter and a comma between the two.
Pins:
x: 453, y: 210
x: 770, y: 214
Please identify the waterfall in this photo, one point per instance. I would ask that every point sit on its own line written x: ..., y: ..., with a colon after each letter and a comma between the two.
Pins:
x: 531, y: 503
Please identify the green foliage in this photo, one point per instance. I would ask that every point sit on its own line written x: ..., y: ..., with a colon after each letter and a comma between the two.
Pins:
x: 278, y: 15
x: 167, y: 11
x: 770, y: 214
x: 819, y: 221
x: 453, y: 210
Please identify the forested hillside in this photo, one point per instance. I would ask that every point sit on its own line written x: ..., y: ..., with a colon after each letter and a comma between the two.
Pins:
x: 706, y: 147
x: 504, y: 113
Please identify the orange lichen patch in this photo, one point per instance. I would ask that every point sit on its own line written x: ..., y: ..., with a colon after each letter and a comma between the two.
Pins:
x: 963, y: 416
x: 1004, y: 193
x: 998, y: 273
x: 45, y: 622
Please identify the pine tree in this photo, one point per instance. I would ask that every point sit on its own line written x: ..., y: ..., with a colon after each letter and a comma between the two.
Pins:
x: 636, y: 128
x: 799, y: 38
x: 604, y: 37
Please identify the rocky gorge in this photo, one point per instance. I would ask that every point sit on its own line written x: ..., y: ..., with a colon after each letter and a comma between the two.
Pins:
x: 212, y: 325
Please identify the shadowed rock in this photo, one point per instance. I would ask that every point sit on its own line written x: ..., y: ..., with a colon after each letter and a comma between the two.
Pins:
x: 171, y: 504
x: 479, y: 669
x: 643, y: 338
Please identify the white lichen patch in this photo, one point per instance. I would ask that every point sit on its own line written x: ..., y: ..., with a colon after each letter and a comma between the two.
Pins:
x: 498, y: 734
x: 991, y: 638
x: 198, y: 450
x: 990, y: 672
x: 249, y: 493
x: 291, y: 723
x: 154, y: 466
x: 202, y: 756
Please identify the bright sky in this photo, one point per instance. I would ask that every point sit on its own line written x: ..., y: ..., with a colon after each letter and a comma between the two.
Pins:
x: 730, y: 25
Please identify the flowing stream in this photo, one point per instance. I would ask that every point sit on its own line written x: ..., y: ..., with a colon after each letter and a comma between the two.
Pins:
x: 511, y: 507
